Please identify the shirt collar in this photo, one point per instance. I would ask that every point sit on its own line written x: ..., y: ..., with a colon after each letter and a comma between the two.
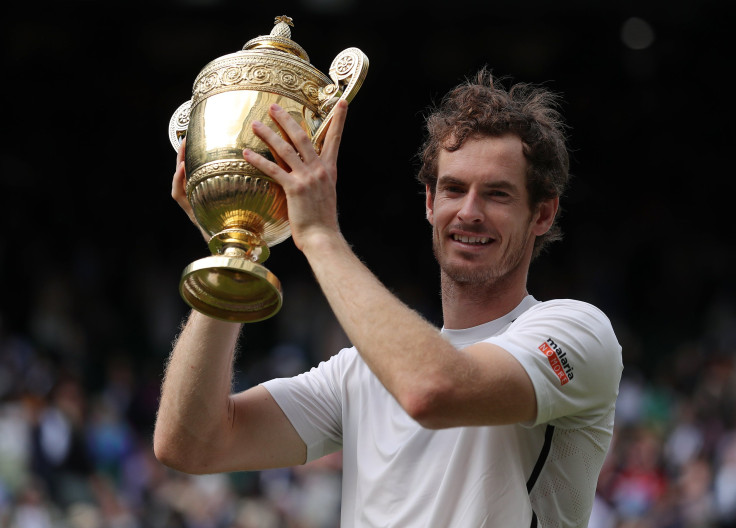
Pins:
x: 474, y: 334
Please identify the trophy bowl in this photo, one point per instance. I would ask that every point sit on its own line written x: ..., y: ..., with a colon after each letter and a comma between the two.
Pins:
x: 243, y: 210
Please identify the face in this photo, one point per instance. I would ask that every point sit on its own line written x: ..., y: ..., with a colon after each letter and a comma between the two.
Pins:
x: 483, y: 227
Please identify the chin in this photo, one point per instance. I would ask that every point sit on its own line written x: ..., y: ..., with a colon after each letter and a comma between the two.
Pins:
x: 481, y: 274
x: 469, y: 274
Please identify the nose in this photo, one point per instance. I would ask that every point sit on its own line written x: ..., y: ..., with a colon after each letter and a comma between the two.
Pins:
x: 471, y: 210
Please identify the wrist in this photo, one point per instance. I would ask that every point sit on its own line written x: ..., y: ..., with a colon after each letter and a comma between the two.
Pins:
x: 323, y: 242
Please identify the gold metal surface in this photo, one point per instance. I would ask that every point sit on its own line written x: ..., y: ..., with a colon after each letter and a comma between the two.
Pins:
x: 242, y: 209
x: 231, y: 288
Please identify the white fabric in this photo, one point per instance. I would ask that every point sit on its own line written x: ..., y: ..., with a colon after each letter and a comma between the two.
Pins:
x: 399, y: 474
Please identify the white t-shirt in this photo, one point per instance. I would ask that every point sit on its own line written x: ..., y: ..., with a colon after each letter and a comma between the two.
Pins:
x: 398, y: 474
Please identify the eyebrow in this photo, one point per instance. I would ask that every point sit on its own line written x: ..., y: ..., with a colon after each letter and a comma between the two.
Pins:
x: 492, y: 184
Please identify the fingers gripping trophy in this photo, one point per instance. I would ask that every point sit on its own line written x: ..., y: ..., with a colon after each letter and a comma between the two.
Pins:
x: 240, y: 208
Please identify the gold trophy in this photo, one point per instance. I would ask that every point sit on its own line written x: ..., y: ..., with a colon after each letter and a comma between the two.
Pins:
x: 242, y: 209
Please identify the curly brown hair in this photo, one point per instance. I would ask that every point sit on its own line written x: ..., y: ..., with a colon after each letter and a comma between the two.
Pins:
x: 483, y: 107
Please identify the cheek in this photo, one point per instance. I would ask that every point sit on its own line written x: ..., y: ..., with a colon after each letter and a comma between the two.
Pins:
x: 512, y: 225
x: 502, y: 218
x: 438, y: 214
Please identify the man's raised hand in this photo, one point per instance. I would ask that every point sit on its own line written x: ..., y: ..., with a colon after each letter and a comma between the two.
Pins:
x: 308, y: 178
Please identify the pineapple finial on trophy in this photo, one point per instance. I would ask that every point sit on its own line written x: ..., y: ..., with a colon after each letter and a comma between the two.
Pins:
x: 282, y: 25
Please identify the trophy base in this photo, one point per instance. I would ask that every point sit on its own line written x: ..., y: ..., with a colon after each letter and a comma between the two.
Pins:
x: 231, y: 289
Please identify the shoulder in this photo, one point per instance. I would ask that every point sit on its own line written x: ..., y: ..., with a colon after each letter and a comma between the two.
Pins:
x: 580, y: 325
x: 571, y: 353
x: 326, y: 375
x: 346, y: 365
x: 565, y: 306
x: 569, y: 316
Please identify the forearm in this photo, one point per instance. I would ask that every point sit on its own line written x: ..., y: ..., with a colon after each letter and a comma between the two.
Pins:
x: 404, y: 351
x: 195, y: 407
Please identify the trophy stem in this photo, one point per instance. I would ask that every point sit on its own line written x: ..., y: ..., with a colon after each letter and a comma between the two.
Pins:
x: 233, y: 251
x: 231, y: 284
x: 241, y: 243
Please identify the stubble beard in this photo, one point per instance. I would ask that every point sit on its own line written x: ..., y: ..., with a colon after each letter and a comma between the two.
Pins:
x: 482, y: 276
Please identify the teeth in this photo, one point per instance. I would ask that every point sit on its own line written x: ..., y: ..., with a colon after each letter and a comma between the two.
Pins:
x: 471, y: 239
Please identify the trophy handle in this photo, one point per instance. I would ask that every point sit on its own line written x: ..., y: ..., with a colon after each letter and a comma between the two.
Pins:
x: 347, y: 72
x: 178, y: 124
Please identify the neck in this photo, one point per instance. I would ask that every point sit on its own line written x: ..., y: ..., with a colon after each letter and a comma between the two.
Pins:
x: 465, y: 305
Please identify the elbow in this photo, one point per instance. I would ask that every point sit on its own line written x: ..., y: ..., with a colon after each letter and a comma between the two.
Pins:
x: 426, y: 404
x: 421, y: 411
x: 167, y: 458
x: 176, y: 454
x: 165, y: 451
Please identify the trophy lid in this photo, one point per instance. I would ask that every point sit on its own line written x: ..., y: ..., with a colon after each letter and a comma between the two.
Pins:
x: 279, y: 39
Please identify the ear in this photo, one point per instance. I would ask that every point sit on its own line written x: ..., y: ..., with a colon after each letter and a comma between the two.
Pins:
x: 429, y: 204
x: 545, y: 216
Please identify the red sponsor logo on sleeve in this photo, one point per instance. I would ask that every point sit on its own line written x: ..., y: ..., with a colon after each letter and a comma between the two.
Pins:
x: 560, y: 368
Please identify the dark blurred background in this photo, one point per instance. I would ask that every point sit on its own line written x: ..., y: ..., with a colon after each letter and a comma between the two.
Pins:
x: 93, y: 245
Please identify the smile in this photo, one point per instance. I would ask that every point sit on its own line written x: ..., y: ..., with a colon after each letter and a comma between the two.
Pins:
x: 470, y: 239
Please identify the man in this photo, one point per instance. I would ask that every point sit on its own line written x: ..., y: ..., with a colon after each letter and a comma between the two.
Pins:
x: 501, y: 419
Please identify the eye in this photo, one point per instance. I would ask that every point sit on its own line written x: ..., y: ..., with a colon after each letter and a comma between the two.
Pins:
x: 452, y: 189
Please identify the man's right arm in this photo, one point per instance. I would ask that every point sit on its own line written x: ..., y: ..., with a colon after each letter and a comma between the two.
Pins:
x: 201, y: 427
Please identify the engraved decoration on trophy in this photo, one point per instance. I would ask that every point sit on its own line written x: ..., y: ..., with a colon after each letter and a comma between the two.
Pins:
x: 242, y: 209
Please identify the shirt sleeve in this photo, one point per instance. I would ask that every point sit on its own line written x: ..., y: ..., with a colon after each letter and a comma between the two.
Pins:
x: 573, y: 358
x: 312, y: 402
